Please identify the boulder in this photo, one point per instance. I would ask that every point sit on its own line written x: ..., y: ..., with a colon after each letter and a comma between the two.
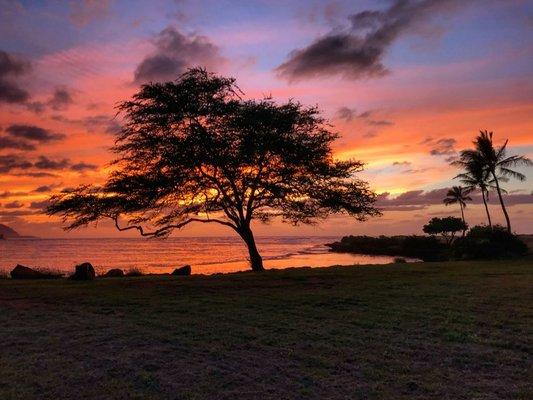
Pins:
x: 114, y: 273
x: 84, y: 272
x: 22, y: 272
x: 182, y: 271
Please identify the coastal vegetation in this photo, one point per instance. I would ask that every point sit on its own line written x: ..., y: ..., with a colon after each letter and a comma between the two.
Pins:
x: 426, y: 248
x: 489, y: 242
x: 194, y: 151
x: 486, y: 166
x: 480, y: 242
x: 404, y: 331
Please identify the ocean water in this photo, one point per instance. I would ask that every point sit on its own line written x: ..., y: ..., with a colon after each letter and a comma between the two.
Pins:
x: 206, y: 255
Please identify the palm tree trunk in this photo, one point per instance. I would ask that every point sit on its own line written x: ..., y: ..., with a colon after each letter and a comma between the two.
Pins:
x: 463, y: 216
x: 486, y: 207
x: 498, y: 190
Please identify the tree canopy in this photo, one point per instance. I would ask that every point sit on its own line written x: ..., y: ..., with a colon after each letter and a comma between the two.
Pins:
x: 447, y: 227
x: 193, y: 150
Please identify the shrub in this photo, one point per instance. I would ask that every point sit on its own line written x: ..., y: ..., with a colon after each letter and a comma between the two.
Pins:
x: 52, y: 272
x: 483, y: 242
x: 399, y: 260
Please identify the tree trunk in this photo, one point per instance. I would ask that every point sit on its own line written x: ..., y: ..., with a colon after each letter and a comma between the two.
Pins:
x: 256, y: 261
x: 486, y: 207
x: 463, y: 217
x: 498, y: 190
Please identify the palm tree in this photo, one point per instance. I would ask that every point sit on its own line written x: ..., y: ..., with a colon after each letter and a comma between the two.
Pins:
x: 476, y: 176
x: 459, y: 195
x: 496, y: 162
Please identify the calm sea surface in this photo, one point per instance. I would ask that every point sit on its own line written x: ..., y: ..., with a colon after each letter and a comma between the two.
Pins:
x: 206, y: 255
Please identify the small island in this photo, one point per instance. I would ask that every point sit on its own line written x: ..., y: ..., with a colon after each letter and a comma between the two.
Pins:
x: 6, y: 232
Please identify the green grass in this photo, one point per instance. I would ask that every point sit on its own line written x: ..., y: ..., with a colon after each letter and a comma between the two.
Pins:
x: 408, y: 331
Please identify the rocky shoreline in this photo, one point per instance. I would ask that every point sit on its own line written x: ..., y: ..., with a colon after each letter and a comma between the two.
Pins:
x: 85, y: 272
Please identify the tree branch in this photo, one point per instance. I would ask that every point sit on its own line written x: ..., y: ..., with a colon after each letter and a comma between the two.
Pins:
x: 165, y: 229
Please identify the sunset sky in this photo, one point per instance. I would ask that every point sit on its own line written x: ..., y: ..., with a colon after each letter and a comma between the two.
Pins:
x: 406, y: 83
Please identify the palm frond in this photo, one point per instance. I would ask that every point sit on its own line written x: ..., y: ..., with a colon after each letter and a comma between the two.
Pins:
x: 515, y: 161
x: 500, y: 153
x: 513, y: 174
x: 449, y: 201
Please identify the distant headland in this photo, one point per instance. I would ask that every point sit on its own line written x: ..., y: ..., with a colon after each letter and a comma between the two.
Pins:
x: 9, y: 233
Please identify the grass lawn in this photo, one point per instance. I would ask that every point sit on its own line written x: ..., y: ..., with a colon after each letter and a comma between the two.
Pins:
x: 459, y: 330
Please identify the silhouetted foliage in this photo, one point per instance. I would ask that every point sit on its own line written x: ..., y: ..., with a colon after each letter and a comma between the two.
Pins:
x: 422, y: 247
x: 194, y: 151
x: 458, y: 195
x: 447, y: 227
x: 496, y: 162
x: 481, y: 242
x: 485, y: 242
x: 476, y: 176
x: 427, y: 248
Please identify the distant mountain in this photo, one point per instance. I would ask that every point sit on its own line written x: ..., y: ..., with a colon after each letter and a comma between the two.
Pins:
x: 7, y: 232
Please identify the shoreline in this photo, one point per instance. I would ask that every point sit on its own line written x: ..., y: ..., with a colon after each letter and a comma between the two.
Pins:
x: 4, y: 274
x: 211, y: 256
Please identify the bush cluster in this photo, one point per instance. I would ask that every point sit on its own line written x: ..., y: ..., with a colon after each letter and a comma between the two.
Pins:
x: 426, y: 248
x: 481, y: 242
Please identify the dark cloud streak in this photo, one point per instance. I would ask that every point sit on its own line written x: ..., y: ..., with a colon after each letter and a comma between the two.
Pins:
x: 349, y: 114
x: 11, y: 69
x: 441, y: 147
x: 175, y: 52
x: 82, y: 166
x: 18, y: 165
x: 357, y: 51
x: 10, y: 162
x: 33, y: 133
x: 15, y: 144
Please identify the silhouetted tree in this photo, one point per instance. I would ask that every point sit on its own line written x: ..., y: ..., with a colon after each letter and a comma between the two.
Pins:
x: 193, y: 150
x: 496, y: 162
x: 447, y: 227
x: 476, y: 176
x: 458, y: 195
